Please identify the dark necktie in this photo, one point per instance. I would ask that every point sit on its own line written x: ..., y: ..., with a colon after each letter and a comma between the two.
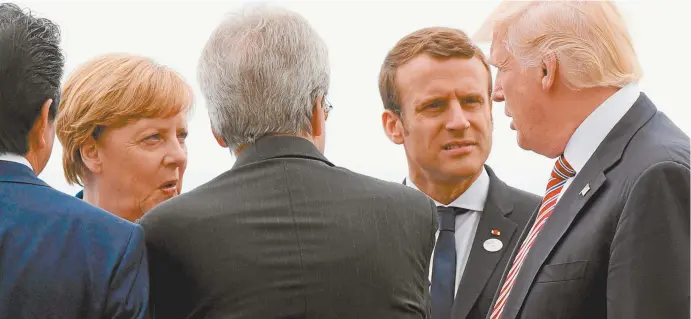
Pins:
x: 444, y: 263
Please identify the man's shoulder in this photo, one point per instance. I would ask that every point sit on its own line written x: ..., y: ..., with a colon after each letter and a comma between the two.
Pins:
x: 658, y: 141
x: 523, y: 202
x: 522, y: 197
x: 374, y: 185
x: 41, y: 205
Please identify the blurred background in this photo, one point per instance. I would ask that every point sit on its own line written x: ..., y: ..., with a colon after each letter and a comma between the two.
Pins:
x: 358, y: 35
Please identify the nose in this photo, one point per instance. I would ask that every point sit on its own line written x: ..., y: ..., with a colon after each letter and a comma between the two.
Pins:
x: 457, y: 121
x: 176, y: 154
x: 498, y: 93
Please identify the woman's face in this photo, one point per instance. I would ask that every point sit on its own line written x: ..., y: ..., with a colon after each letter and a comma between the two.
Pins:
x: 142, y: 163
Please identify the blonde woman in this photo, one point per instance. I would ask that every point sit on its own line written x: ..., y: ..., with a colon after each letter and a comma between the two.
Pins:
x: 123, y: 124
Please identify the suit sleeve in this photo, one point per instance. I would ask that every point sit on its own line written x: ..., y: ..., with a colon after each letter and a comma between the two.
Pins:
x: 432, y: 240
x: 128, y: 296
x: 649, y: 263
x: 169, y: 286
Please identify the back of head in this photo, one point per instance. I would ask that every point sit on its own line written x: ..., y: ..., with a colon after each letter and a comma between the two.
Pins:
x: 438, y: 42
x: 589, y: 39
x: 31, y: 67
x: 261, y: 72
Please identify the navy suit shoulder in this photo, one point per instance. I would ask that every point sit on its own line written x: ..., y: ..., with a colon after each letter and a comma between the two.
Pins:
x: 64, y: 258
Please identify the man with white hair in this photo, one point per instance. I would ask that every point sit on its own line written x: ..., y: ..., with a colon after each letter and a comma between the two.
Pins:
x: 611, y: 237
x: 284, y: 233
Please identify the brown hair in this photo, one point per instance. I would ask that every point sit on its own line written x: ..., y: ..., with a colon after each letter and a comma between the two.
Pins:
x: 439, y: 42
x: 110, y: 91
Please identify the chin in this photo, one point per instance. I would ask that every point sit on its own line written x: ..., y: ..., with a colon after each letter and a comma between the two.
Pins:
x: 463, y: 171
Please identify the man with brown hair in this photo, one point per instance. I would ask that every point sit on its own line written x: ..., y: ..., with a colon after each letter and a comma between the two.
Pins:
x: 435, y: 86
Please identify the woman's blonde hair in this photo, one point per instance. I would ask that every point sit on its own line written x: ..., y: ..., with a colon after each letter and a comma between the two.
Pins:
x: 110, y: 91
x: 589, y: 39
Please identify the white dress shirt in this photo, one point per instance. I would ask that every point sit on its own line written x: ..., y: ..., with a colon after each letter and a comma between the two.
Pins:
x: 473, y: 199
x: 16, y: 159
x: 590, y: 134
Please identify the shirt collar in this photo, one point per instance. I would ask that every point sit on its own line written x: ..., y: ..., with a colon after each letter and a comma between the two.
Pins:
x: 16, y: 159
x: 588, y: 136
x: 473, y: 198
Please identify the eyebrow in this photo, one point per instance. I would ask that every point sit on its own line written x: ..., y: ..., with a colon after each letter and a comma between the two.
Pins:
x: 426, y: 100
x: 434, y: 98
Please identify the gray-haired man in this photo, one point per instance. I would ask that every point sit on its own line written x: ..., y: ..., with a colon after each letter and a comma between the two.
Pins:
x: 284, y: 233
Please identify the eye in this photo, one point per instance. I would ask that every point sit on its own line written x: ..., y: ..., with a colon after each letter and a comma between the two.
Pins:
x: 153, y: 138
x: 182, y: 137
x: 435, y: 105
x: 471, y: 101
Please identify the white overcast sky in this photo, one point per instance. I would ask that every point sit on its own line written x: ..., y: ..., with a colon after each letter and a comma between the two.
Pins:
x: 358, y: 35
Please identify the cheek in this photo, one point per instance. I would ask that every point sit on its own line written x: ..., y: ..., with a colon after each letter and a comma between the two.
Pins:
x: 135, y: 168
x: 418, y: 141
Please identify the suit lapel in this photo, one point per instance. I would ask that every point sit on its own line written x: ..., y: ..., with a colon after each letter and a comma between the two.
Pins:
x: 482, y: 263
x: 586, y: 185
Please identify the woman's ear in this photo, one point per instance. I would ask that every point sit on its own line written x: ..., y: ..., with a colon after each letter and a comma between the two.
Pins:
x: 90, y: 155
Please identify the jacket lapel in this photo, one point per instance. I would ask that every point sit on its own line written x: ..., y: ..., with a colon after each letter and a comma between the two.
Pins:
x: 482, y: 263
x: 585, y: 186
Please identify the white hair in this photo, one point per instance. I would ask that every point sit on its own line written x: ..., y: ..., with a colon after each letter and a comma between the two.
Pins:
x: 588, y: 38
x: 261, y: 72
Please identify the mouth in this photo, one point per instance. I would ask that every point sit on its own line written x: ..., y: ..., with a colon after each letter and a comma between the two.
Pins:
x: 170, y: 187
x: 459, y: 147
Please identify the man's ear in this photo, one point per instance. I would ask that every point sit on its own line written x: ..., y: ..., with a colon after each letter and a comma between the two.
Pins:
x: 393, y: 126
x: 549, y: 71
x: 318, y: 117
x: 37, y: 140
x: 90, y: 155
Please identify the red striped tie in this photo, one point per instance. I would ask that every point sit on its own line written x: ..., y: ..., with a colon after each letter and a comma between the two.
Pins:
x: 562, y: 171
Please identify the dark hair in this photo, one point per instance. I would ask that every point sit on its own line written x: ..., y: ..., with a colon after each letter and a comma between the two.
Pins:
x: 439, y: 42
x: 31, y: 67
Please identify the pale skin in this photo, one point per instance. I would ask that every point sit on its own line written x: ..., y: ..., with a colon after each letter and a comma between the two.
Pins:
x: 545, y: 112
x: 445, y: 123
x: 317, y: 136
x: 137, y: 166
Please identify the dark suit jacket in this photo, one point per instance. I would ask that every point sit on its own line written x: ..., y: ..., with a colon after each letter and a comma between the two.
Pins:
x: 63, y: 258
x: 507, y: 210
x: 286, y: 234
x: 619, y: 248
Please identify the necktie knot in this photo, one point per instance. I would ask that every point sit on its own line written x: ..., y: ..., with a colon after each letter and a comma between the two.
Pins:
x: 562, y: 169
x: 447, y: 217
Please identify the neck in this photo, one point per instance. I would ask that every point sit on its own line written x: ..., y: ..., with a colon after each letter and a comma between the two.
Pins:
x: 242, y: 147
x: 442, y: 191
x: 95, y: 195
x: 33, y: 159
x: 575, y: 107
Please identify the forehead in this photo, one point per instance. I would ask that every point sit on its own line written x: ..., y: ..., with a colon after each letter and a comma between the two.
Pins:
x: 497, y: 51
x: 137, y: 125
x: 425, y: 75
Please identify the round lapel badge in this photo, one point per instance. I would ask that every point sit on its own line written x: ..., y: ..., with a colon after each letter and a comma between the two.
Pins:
x: 492, y: 245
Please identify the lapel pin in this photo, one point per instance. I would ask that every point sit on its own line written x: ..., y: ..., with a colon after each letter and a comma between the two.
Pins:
x: 585, y: 189
x: 495, y: 232
x: 492, y: 245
